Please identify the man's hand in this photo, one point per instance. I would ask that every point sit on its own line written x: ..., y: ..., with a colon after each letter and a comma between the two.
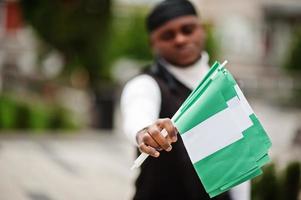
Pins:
x: 151, y: 141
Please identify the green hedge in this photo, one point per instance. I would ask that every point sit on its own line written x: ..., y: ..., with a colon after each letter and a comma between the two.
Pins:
x: 8, y: 113
x: 293, y: 61
x: 22, y: 115
x: 283, y: 185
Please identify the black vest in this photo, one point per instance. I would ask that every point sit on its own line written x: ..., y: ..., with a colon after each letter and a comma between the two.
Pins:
x: 171, y: 176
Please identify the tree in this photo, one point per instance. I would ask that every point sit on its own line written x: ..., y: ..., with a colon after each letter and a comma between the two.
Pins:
x: 79, y: 30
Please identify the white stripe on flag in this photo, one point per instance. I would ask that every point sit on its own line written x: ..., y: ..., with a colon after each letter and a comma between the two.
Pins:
x: 239, y: 115
x: 243, y: 100
x: 217, y: 132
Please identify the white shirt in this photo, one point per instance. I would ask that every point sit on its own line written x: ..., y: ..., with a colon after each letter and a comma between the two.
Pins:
x: 141, y: 103
x: 141, y: 96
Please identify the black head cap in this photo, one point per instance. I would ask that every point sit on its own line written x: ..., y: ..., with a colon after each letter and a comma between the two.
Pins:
x: 168, y: 10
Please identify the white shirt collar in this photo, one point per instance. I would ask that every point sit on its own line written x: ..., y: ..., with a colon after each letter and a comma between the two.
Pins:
x: 192, y: 75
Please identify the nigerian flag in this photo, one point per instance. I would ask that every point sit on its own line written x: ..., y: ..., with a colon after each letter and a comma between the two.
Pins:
x: 223, y: 137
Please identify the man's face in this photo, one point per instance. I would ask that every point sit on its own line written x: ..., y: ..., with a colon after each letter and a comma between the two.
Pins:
x: 179, y: 41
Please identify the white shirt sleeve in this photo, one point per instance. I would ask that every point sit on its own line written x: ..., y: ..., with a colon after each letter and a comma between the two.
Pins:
x: 140, y: 104
x: 241, y: 192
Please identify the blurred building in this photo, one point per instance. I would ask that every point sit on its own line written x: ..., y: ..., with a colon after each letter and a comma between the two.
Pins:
x: 17, y: 47
x: 19, y: 50
x: 256, y: 37
x: 22, y: 73
x: 256, y: 33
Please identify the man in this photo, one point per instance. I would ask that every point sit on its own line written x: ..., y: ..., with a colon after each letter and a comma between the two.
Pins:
x: 177, y: 41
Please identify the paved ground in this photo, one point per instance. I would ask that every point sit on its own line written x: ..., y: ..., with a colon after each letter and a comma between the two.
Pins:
x: 95, y: 165
x: 86, y: 166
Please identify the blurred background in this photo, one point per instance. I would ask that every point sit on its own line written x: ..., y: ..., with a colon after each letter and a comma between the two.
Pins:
x: 63, y: 64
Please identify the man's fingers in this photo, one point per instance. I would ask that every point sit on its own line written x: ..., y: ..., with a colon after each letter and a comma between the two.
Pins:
x: 169, y: 127
x: 149, y: 150
x: 163, y: 142
x: 149, y: 141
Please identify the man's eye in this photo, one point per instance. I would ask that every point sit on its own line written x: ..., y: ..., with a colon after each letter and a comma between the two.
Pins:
x: 168, y: 35
x: 188, y: 29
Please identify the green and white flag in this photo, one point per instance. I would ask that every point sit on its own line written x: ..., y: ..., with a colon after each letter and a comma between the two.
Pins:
x: 223, y: 137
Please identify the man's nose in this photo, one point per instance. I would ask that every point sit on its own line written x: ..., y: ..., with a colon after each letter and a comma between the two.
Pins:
x: 180, y: 39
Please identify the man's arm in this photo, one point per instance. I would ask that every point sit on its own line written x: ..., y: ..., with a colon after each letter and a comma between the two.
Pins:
x: 140, y: 107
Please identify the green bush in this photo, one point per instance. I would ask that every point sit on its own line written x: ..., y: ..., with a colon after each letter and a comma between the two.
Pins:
x: 283, y: 185
x: 39, y: 117
x: 293, y: 62
x: 266, y: 187
x: 8, y: 113
x: 35, y: 116
x: 211, y: 45
x: 61, y: 119
x: 291, y: 182
x: 128, y: 38
x: 23, y: 116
